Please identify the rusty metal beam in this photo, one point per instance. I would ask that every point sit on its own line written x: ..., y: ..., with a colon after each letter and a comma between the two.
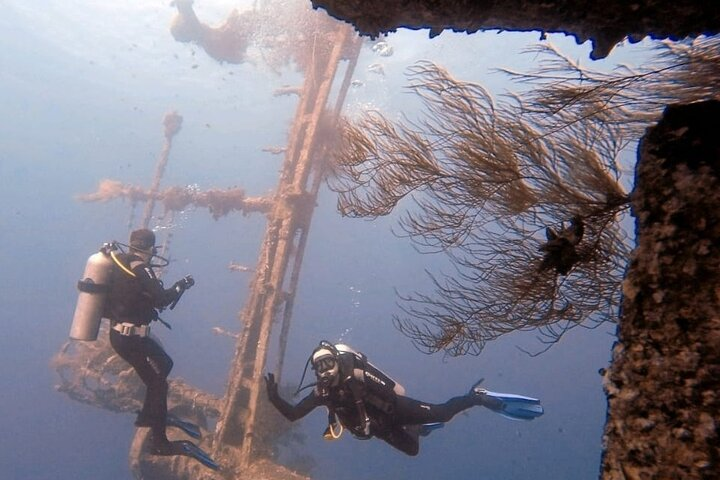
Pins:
x: 172, y: 122
x: 353, y: 52
x: 283, y: 247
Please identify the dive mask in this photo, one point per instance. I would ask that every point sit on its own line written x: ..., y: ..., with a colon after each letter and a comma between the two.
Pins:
x: 326, y: 370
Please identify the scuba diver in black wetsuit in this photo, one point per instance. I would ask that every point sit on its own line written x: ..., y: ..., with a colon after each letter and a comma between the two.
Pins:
x: 123, y: 288
x: 135, y: 294
x: 368, y: 403
x: 134, y: 297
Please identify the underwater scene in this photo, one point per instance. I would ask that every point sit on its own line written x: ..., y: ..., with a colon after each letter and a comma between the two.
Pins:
x: 324, y: 208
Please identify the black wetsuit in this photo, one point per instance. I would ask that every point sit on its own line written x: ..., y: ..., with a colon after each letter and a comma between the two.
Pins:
x: 134, y: 299
x: 394, y: 418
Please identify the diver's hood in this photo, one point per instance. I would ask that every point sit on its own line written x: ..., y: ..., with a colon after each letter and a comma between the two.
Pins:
x: 325, y: 364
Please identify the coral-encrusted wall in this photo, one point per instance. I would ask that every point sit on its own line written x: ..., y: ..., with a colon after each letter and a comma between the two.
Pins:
x: 664, y: 383
x: 603, y: 22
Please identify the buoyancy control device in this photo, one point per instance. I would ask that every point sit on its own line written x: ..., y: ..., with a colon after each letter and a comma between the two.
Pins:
x: 94, y: 288
x: 369, y: 374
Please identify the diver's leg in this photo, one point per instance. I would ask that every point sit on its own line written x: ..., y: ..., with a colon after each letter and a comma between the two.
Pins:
x: 409, y: 411
x: 153, y: 366
x: 160, y: 364
x: 156, y: 368
x: 405, y: 439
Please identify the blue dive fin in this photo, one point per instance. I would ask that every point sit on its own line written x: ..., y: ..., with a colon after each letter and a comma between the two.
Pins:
x: 514, y: 407
x: 189, y: 428
x: 189, y: 449
x: 173, y: 421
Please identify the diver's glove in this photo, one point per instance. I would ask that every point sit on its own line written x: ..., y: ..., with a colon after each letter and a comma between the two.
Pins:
x: 188, y: 281
x: 362, y: 431
x: 184, y: 283
x: 366, y: 427
x: 271, y: 386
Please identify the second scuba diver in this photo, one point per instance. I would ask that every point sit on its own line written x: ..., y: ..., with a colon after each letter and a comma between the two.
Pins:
x: 134, y: 298
x: 365, y: 401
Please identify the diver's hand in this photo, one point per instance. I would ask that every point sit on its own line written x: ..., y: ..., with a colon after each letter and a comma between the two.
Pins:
x: 188, y: 281
x: 271, y: 385
x: 184, y: 283
x: 362, y: 431
x: 366, y: 427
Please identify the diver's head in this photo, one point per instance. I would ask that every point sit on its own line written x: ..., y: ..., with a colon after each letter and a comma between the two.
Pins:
x: 142, y: 243
x: 325, y: 365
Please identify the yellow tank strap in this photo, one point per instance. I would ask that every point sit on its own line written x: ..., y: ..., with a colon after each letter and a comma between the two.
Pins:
x: 335, y: 436
x: 330, y: 433
x: 119, y: 264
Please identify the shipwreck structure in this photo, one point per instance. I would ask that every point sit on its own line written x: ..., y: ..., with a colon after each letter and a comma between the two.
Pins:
x: 326, y: 52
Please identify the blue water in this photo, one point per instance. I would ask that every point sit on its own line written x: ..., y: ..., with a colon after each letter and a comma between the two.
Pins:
x: 84, y: 87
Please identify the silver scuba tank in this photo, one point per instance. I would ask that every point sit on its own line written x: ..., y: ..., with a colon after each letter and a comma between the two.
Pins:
x: 93, y: 288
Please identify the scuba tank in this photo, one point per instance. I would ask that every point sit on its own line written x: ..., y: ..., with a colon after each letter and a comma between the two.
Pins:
x: 93, y: 288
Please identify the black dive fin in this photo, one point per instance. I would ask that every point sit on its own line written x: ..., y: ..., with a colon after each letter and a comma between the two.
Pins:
x: 189, y: 428
x: 427, y: 428
x: 514, y: 407
x: 189, y: 449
